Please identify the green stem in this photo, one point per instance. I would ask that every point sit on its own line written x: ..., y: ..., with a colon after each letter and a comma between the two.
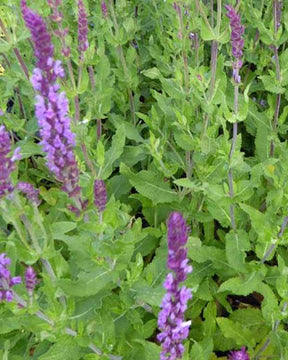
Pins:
x: 123, y: 62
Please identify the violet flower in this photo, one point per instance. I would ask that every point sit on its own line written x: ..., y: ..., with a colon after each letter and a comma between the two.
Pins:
x: 52, y: 106
x: 30, y: 279
x: 100, y: 195
x: 174, y: 329
x: 237, y: 41
x: 82, y: 29
x: 7, y: 165
x: 29, y: 190
x: 239, y: 355
x: 104, y: 9
x: 6, y: 281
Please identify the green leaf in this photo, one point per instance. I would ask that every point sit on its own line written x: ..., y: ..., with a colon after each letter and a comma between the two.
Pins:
x: 88, y: 283
x: 271, y: 84
x: 118, y: 142
x: 150, y: 185
x: 152, y: 73
x: 65, y: 348
x: 236, y: 331
x: 242, y: 285
x: 29, y: 148
x: 8, y: 323
x: 62, y: 227
x: 236, y: 245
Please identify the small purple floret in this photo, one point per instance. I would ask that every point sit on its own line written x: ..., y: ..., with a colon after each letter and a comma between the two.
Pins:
x: 6, y: 281
x: 171, y: 322
x: 100, y: 195
x: 239, y: 355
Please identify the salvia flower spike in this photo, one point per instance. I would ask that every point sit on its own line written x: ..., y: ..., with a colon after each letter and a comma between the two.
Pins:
x: 6, y: 281
x: 239, y: 355
x: 52, y: 106
x: 82, y: 29
x: 100, y: 195
x: 104, y: 9
x: 30, y: 279
x: 237, y: 41
x: 29, y: 190
x: 174, y: 329
x: 7, y: 165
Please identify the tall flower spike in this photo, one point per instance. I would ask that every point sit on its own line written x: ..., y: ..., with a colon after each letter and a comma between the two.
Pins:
x: 6, y: 281
x: 52, y: 106
x: 7, y: 165
x: 237, y: 41
x: 82, y: 29
x: 239, y: 355
x: 174, y: 304
x: 100, y: 195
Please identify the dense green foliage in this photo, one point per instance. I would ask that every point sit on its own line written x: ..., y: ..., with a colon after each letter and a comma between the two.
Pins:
x: 166, y: 117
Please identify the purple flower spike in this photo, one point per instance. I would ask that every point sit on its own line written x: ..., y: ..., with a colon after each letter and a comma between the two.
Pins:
x: 7, y: 165
x: 104, y: 9
x: 6, y: 281
x: 174, y: 329
x: 100, y: 195
x: 52, y: 106
x: 30, y: 279
x: 239, y: 355
x: 237, y: 41
x: 29, y: 190
x: 82, y: 29
x: 40, y: 36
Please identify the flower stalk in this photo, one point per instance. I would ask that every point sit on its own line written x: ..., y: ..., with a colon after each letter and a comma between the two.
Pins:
x: 174, y: 329
x: 237, y: 43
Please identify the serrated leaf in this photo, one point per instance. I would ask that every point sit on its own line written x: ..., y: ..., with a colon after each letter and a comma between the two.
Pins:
x: 62, y: 227
x: 64, y: 349
x: 88, y: 283
x: 239, y: 333
x: 242, y: 285
x: 150, y: 185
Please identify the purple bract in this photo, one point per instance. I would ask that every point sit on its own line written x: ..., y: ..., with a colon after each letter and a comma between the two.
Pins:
x: 239, y: 355
x: 174, y: 329
x: 52, y: 106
